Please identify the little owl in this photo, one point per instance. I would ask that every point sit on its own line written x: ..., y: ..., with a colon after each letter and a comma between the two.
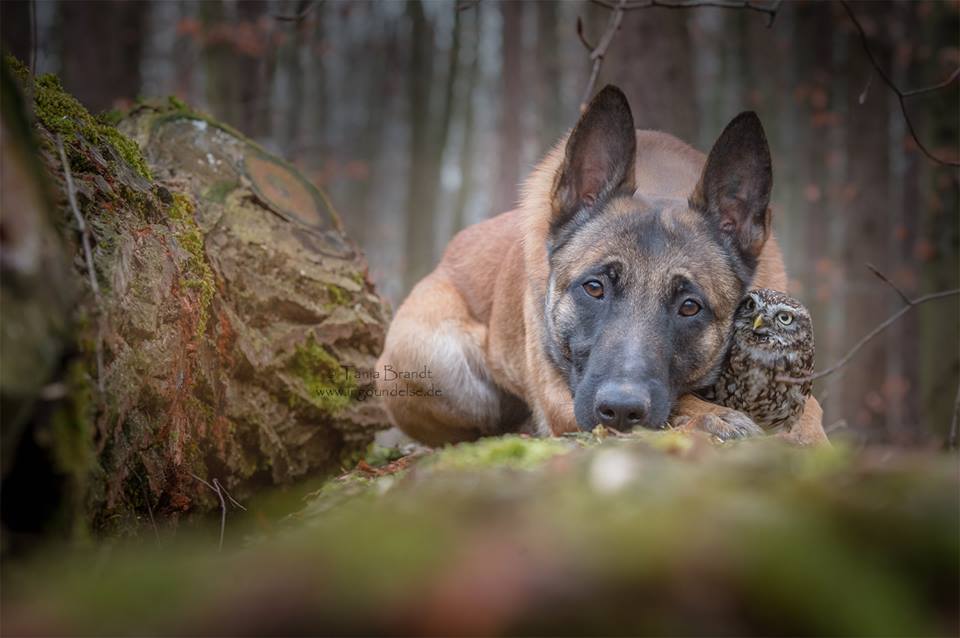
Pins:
x: 772, y: 337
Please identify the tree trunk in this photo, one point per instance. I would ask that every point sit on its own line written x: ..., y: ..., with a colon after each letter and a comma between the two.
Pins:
x: 511, y: 108
x: 421, y: 193
x: 102, y: 41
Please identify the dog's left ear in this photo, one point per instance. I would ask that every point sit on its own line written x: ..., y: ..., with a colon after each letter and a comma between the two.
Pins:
x: 734, y: 189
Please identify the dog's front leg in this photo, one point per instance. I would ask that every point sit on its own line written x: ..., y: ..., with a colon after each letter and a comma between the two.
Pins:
x: 694, y: 414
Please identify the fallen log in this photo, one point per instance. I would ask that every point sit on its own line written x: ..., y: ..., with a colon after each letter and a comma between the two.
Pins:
x: 217, y: 322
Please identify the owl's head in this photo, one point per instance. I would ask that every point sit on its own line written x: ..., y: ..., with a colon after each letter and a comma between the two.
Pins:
x: 770, y: 319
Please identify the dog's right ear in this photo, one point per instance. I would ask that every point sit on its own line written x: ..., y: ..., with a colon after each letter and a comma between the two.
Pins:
x: 734, y: 189
x: 599, y: 158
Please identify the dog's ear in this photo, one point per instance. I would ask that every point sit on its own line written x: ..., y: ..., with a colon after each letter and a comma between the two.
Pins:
x: 599, y: 158
x: 734, y: 189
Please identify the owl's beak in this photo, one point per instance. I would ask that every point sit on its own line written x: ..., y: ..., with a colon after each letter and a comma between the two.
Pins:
x: 757, y: 322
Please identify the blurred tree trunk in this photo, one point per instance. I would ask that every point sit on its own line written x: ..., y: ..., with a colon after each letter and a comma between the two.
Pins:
x: 551, y: 120
x: 903, y: 365
x: 254, y: 66
x: 510, y: 128
x: 222, y: 95
x: 868, y: 178
x: 936, y: 249
x: 421, y: 195
x: 15, y: 28
x: 101, y: 48
x: 467, y: 145
x: 651, y: 60
x: 815, y: 223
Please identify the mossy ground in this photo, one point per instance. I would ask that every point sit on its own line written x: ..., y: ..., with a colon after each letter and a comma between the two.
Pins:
x: 583, y: 536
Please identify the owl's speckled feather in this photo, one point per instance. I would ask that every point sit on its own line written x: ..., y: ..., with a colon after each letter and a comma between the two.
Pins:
x: 772, y: 337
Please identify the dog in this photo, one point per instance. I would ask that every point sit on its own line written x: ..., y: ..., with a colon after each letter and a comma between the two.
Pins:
x: 605, y: 298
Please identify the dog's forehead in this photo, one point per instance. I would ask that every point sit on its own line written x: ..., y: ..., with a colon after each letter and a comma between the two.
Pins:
x: 655, y: 240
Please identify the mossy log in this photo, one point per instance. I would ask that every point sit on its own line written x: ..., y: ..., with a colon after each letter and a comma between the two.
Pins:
x: 231, y: 314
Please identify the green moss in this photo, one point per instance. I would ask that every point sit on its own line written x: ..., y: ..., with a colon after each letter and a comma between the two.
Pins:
x: 336, y: 296
x: 327, y: 384
x: 378, y: 455
x: 72, y: 424
x: 63, y: 114
x: 127, y: 149
x: 219, y: 190
x: 506, y: 451
x: 177, y: 103
x: 199, y: 274
x: 72, y: 447
x: 111, y: 117
x: 17, y: 68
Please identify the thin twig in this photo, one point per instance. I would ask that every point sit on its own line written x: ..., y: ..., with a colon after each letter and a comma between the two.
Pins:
x: 597, y: 52
x: 770, y: 9
x: 220, y: 491
x: 219, y: 485
x: 952, y: 438
x: 583, y: 39
x: 934, y: 87
x: 88, y: 254
x: 909, y: 304
x: 903, y: 296
x: 223, y: 509
x: 902, y: 95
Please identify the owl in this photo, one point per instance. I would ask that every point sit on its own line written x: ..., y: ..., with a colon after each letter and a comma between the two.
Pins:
x: 772, y: 337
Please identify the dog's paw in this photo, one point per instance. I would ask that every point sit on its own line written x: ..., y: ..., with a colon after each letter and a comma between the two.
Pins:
x: 726, y: 425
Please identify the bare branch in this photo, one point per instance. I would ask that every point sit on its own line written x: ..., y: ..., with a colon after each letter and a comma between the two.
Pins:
x: 768, y: 8
x: 597, y: 52
x: 901, y: 95
x: 909, y: 304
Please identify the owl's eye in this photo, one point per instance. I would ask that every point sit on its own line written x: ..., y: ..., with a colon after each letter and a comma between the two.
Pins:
x: 689, y: 308
x: 593, y: 288
x: 751, y: 305
x: 785, y: 318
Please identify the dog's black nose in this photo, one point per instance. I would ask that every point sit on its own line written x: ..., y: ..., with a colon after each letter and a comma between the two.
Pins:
x: 622, y: 405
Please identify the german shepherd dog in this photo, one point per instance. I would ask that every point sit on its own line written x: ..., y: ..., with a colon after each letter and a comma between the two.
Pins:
x: 607, y: 297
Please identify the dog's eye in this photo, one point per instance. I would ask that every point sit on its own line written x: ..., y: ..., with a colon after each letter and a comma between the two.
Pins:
x: 751, y: 305
x: 594, y: 288
x: 785, y: 318
x: 689, y: 308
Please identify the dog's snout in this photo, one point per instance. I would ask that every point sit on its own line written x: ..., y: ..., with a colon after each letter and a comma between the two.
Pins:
x: 623, y: 405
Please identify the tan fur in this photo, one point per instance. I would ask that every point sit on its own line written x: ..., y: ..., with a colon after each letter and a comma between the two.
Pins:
x: 487, y: 295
